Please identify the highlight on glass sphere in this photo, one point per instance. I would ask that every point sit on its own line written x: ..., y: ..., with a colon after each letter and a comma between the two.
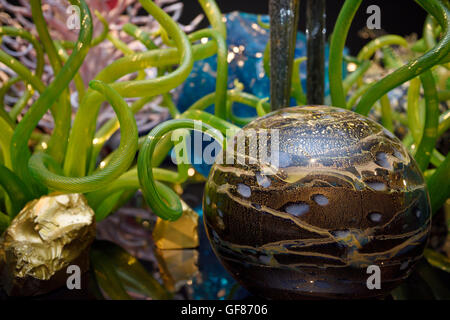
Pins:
x: 335, y: 194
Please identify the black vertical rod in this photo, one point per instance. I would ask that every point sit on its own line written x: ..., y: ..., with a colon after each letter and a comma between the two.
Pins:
x: 315, y: 35
x: 283, y: 33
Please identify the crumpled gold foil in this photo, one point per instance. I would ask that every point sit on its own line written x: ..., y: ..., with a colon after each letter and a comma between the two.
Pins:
x: 48, y: 235
x: 179, y: 234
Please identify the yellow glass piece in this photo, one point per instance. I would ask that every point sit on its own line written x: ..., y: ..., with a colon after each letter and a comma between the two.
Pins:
x: 177, y: 267
x: 179, y: 234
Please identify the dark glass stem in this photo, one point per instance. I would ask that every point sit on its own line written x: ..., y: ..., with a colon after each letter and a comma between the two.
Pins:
x: 315, y: 34
x: 283, y: 32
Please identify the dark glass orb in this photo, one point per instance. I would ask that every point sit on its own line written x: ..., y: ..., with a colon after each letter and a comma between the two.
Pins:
x: 339, y: 194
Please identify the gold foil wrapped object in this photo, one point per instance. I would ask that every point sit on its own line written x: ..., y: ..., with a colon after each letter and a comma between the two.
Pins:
x: 47, y: 236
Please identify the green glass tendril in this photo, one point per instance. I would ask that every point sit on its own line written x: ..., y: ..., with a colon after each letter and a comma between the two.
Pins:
x: 19, y: 142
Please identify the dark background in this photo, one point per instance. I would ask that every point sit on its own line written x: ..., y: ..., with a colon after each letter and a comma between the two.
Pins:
x: 402, y: 17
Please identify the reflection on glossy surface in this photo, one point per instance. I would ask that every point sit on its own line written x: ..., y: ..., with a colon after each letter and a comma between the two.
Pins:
x: 346, y: 196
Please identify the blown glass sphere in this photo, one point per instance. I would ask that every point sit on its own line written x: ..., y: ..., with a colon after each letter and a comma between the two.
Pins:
x: 305, y: 199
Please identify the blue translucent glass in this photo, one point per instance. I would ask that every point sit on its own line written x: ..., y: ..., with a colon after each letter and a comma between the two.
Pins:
x: 216, y: 282
x: 246, y: 41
